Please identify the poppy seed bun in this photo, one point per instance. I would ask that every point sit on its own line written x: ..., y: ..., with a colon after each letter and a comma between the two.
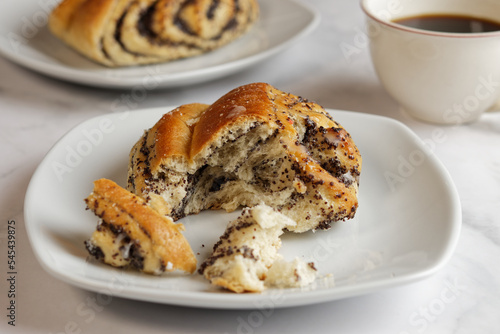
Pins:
x: 255, y: 145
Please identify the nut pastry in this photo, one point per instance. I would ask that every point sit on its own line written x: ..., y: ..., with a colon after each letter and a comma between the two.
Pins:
x: 133, y: 32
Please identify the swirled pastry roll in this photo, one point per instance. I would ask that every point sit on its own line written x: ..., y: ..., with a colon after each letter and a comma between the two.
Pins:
x: 255, y: 145
x: 133, y: 32
x: 133, y: 234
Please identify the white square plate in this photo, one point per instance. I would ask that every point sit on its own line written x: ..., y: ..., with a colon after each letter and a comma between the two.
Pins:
x: 405, y: 229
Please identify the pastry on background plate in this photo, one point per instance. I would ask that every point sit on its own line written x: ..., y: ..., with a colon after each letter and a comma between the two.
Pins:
x: 134, y: 32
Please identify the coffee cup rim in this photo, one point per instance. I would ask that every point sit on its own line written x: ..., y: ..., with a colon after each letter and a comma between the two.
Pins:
x: 401, y: 27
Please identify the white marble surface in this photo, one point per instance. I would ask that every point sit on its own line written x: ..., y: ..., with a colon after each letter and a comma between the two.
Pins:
x: 464, y: 297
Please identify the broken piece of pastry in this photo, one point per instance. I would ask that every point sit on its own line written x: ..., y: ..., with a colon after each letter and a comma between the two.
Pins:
x: 132, y: 234
x: 248, y: 250
x: 128, y: 32
x: 254, y: 145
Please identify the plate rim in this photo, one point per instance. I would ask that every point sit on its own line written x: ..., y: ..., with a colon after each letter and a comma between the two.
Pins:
x: 164, y: 80
x: 250, y: 301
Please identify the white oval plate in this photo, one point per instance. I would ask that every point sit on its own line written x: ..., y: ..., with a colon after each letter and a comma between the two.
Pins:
x: 26, y: 40
x: 406, y: 227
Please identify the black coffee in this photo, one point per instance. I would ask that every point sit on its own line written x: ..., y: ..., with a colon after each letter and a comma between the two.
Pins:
x: 449, y: 23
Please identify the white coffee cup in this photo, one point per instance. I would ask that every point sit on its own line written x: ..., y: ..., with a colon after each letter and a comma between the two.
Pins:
x: 444, y: 78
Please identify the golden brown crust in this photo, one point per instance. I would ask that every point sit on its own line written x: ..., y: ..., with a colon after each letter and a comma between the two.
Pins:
x: 79, y: 23
x: 158, y: 237
x: 173, y: 134
x: 127, y: 32
x: 244, y: 104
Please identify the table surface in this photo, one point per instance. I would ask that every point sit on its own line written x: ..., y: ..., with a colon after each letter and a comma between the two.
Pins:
x: 36, y: 111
